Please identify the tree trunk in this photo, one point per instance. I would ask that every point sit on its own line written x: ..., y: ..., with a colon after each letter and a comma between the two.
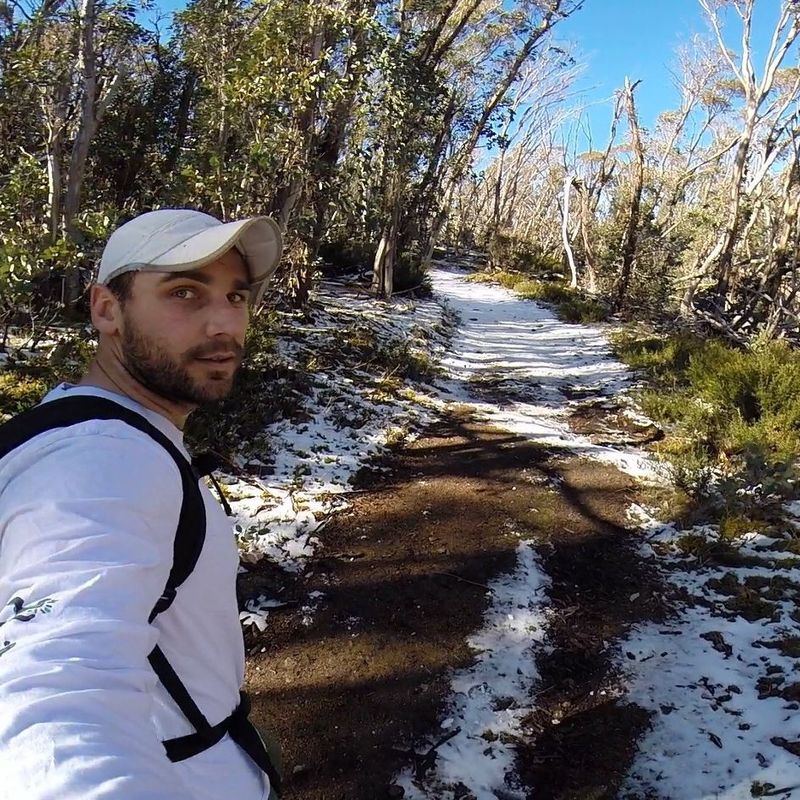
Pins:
x: 184, y: 109
x: 587, y: 216
x: 631, y: 234
x: 54, y: 153
x: 87, y: 122
x: 383, y: 267
x: 565, y: 233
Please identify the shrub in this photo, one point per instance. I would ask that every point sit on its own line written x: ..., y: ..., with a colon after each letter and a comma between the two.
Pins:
x: 18, y: 392
x: 508, y: 252
x: 410, y: 274
x: 755, y: 392
x: 546, y: 292
x: 734, y: 410
x: 345, y: 255
x: 660, y: 357
x: 581, y: 310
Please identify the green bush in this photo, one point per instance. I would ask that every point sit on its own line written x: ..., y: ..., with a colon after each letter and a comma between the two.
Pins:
x: 660, y: 357
x: 410, y: 274
x: 756, y: 392
x: 18, y: 392
x: 582, y: 310
x: 511, y: 253
x: 545, y: 291
x: 345, y: 255
x: 722, y: 406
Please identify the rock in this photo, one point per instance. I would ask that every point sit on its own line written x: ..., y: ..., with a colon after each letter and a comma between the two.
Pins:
x: 792, y: 747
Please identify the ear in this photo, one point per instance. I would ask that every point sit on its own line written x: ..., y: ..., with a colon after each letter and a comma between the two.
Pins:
x: 106, y: 310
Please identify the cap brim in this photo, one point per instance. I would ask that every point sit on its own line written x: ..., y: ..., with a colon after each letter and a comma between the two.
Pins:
x: 258, y: 239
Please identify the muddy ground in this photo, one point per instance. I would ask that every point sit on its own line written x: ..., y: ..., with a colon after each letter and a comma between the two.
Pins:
x: 355, y: 686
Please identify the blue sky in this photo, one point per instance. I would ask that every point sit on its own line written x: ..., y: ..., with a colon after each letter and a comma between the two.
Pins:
x: 638, y: 38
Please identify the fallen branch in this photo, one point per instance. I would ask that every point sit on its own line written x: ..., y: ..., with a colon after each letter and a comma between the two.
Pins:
x: 464, y: 580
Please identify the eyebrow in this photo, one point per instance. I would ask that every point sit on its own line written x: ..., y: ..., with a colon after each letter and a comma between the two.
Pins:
x: 200, y: 277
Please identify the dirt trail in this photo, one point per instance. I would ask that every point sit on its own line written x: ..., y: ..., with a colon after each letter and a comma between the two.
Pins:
x: 352, y: 687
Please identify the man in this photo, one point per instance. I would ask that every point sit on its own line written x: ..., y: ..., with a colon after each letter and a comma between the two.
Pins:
x: 88, y: 517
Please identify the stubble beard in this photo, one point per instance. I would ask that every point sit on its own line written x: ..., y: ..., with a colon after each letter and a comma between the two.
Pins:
x: 169, y: 376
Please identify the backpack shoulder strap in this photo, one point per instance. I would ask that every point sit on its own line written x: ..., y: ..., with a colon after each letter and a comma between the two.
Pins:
x: 67, y: 411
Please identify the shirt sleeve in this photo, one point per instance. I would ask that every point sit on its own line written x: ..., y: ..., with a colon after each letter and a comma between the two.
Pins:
x: 86, y: 534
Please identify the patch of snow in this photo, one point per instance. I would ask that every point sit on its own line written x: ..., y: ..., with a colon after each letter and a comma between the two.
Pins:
x: 257, y: 610
x: 712, y: 682
x: 517, y: 350
x: 492, y: 697
x: 348, y: 420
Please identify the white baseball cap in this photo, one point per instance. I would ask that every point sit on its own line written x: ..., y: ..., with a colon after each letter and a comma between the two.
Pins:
x: 180, y: 239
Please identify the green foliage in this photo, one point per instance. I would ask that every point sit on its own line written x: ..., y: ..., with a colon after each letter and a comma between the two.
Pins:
x: 23, y: 246
x: 544, y: 291
x: 347, y: 255
x: 582, y: 310
x: 19, y: 392
x: 738, y: 410
x: 509, y: 252
x: 25, y: 380
x: 410, y: 274
x: 662, y: 358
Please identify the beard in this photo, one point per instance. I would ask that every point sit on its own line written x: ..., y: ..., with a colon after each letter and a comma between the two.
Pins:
x: 169, y: 375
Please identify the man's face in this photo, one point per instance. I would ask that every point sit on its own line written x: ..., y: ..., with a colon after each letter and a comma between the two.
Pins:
x: 182, y: 333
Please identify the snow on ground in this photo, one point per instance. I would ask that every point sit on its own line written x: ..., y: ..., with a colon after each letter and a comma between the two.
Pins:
x: 723, y: 689
x: 721, y: 678
x: 478, y: 756
x: 517, y: 350
x: 349, y: 419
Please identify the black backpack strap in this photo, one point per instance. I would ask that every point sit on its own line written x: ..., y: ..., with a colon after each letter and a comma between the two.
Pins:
x: 66, y: 411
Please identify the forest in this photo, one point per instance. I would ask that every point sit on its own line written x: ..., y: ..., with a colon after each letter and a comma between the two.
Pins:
x: 376, y: 130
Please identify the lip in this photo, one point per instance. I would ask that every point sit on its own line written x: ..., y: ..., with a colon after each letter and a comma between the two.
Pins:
x: 218, y: 359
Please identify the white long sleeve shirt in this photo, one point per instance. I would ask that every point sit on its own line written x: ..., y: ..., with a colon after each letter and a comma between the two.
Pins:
x: 87, y: 525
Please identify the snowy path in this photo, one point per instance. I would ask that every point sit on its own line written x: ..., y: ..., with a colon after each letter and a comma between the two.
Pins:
x: 722, y: 690
x: 514, y: 362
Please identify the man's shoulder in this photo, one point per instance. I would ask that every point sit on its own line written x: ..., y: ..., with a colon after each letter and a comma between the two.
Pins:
x: 104, y: 452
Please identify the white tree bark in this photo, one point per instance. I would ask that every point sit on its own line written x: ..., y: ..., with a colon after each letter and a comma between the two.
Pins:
x: 565, y: 231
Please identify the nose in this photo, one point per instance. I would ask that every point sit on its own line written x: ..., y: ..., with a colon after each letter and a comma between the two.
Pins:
x: 224, y: 318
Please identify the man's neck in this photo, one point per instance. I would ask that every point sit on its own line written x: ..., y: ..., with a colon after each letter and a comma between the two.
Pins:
x: 107, y: 372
